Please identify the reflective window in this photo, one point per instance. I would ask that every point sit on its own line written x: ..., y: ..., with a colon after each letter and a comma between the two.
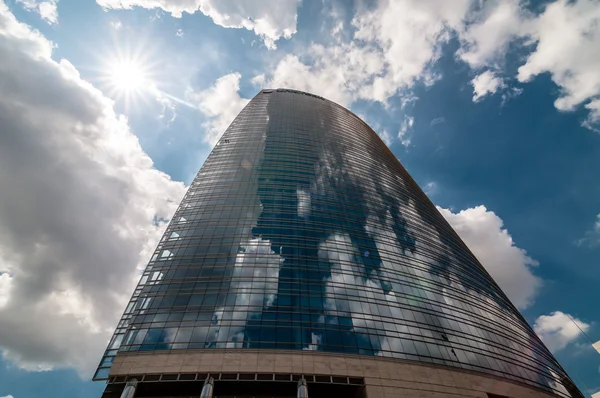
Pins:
x: 302, y: 231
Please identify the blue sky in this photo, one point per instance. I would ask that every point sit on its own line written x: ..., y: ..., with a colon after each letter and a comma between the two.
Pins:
x: 110, y: 107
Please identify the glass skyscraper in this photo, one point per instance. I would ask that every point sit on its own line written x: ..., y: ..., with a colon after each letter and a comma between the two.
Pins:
x: 304, y: 259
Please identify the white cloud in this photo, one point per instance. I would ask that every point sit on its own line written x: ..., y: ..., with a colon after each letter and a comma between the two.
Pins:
x: 117, y: 25
x: 48, y: 10
x: 557, y: 330
x: 7, y: 396
x: 5, y: 286
x: 593, y: 120
x: 220, y: 103
x: 430, y: 188
x: 168, y: 113
x: 386, y: 137
x: 509, y: 265
x: 484, y: 84
x: 405, y: 128
x: 269, y: 19
x: 563, y: 41
x: 394, y: 45
x: 592, y: 237
x: 77, y: 216
x: 258, y: 81
x: 382, y: 132
x: 568, y: 47
x: 408, y: 36
x: 179, y: 33
x: 488, y: 31
x: 320, y: 74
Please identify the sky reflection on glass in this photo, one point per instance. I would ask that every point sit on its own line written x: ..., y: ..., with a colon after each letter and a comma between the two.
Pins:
x: 302, y: 231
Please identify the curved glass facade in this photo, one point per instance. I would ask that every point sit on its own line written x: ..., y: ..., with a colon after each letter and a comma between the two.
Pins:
x: 303, y: 231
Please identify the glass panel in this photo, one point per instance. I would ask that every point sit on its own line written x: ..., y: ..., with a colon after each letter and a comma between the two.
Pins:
x: 304, y: 232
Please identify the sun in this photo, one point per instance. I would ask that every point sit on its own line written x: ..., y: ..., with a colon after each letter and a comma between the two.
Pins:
x: 129, y: 80
x: 127, y: 76
x: 133, y: 76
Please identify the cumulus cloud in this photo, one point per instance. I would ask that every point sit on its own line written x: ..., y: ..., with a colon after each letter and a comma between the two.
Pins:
x: 509, y: 265
x: 557, y: 330
x: 258, y: 81
x: 408, y: 35
x: 593, y: 120
x: 488, y: 30
x: 319, y: 71
x: 567, y: 35
x: 220, y: 103
x: 484, y: 84
x: 7, y: 396
x: 561, y: 40
x: 47, y: 10
x: 394, y: 44
x: 269, y: 19
x: 592, y: 237
x: 80, y: 211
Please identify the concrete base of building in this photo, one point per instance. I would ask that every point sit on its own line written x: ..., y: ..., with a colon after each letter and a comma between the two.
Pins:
x: 357, y: 376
